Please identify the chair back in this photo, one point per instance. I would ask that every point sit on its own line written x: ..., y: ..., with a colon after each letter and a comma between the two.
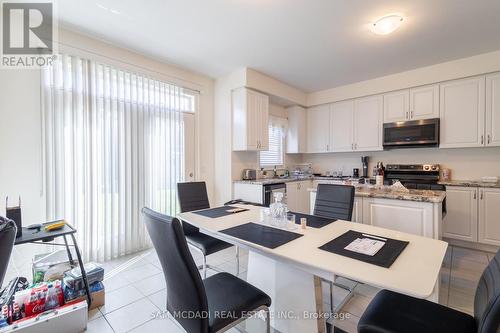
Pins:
x: 185, y: 291
x: 192, y: 196
x: 7, y: 236
x: 487, y: 298
x: 334, y: 201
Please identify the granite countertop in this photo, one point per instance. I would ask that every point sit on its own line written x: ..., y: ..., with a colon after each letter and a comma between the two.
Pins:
x: 470, y: 183
x: 385, y: 192
x: 267, y: 181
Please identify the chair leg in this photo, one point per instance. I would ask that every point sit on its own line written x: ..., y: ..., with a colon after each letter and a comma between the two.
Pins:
x: 204, y: 267
x: 237, y: 261
x: 268, y: 320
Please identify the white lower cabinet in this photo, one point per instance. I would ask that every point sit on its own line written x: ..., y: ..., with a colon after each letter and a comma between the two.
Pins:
x: 297, y: 196
x: 461, y: 217
x: 489, y: 216
x: 406, y: 216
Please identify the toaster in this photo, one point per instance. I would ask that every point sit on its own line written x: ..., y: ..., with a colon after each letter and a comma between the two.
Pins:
x: 249, y: 174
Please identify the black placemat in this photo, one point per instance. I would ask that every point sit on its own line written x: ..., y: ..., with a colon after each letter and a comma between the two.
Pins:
x: 218, y: 211
x: 313, y: 220
x: 385, y: 257
x: 261, y: 235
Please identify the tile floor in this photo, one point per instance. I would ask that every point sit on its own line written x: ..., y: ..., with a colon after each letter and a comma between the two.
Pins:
x: 136, y: 291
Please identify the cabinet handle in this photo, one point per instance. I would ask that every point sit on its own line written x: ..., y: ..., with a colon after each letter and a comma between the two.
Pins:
x: 356, y: 146
x: 481, y: 195
x: 407, y: 115
x: 411, y: 114
x: 474, y: 197
x: 482, y: 139
x: 489, y: 139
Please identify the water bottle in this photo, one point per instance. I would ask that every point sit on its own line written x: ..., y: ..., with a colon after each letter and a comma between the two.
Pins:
x: 52, y: 299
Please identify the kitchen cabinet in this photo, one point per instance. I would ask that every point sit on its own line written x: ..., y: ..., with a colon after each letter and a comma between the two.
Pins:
x: 342, y: 126
x: 462, y: 213
x: 318, y: 129
x: 493, y: 109
x: 424, y: 102
x: 250, y: 120
x: 397, y: 106
x: 406, y: 216
x: 297, y: 196
x: 462, y: 113
x: 368, y: 118
x: 296, y: 138
x: 489, y: 212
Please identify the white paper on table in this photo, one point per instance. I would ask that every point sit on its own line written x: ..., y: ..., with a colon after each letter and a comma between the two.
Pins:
x: 366, y: 246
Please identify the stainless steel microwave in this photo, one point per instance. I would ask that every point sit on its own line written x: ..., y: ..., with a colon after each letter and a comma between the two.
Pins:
x: 411, y: 134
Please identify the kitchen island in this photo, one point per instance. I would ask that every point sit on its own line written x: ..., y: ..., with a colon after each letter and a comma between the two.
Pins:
x: 417, y: 212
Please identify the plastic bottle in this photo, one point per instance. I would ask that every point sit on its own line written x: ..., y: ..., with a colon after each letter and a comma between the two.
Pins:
x: 52, y: 300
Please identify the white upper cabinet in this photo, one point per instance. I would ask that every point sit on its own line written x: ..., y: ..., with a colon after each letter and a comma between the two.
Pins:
x: 296, y: 138
x: 318, y: 129
x: 424, y: 102
x: 462, y: 111
x: 342, y: 126
x: 250, y: 120
x: 368, y: 117
x: 493, y: 109
x: 397, y: 106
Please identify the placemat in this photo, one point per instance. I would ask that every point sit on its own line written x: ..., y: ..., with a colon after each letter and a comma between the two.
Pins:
x: 261, y: 235
x: 218, y: 211
x: 385, y: 257
x: 313, y: 220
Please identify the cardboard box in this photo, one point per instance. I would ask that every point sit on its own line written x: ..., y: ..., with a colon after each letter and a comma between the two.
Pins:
x: 98, y: 298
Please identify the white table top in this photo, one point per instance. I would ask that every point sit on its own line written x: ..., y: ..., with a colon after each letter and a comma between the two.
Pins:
x: 414, y: 272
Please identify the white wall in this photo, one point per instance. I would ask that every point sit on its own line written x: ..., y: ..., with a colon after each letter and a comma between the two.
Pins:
x: 465, y: 163
x: 20, y: 124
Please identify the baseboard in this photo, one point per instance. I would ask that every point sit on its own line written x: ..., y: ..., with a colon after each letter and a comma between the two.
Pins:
x: 472, y: 245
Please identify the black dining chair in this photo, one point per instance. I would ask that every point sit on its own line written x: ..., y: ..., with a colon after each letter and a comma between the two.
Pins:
x: 334, y: 201
x: 214, y: 304
x: 391, y: 312
x: 193, y: 196
x: 7, y: 237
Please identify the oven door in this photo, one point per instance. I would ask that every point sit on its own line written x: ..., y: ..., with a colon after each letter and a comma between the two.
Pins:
x: 415, y: 133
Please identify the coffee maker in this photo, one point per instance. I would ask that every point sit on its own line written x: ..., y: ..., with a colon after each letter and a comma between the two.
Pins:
x: 364, y: 160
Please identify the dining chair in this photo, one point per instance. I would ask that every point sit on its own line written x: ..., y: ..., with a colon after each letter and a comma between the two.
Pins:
x: 214, y: 304
x: 336, y: 202
x: 7, y: 236
x: 193, y: 196
x: 392, y: 312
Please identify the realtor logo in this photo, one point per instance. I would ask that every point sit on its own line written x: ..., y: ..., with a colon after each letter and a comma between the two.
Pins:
x: 28, y: 32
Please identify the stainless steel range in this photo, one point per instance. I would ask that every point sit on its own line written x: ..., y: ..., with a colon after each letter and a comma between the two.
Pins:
x: 414, y: 176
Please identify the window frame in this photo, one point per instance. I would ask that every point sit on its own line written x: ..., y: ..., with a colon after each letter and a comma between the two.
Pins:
x: 283, y: 147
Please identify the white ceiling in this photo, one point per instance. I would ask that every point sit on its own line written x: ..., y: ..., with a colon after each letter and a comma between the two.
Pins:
x: 309, y: 44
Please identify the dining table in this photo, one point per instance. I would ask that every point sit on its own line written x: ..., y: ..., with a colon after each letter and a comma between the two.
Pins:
x: 291, y: 273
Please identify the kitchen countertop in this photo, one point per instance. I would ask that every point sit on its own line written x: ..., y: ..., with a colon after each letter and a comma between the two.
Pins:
x: 385, y: 192
x: 470, y: 183
x: 268, y: 181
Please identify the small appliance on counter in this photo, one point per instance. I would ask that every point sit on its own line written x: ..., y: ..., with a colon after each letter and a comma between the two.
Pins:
x: 249, y: 174
x: 364, y: 160
x: 355, y: 173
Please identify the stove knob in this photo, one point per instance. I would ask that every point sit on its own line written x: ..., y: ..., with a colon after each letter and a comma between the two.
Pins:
x: 426, y: 167
x: 434, y: 167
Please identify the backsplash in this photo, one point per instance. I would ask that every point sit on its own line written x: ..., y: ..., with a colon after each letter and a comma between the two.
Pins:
x: 465, y: 163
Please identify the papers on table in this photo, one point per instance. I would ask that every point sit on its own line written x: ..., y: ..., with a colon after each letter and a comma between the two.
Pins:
x: 366, y: 246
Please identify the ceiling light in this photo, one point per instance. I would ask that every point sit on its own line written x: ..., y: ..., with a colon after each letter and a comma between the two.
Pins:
x: 387, y: 24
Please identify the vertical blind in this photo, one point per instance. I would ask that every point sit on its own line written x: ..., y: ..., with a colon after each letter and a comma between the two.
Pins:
x: 275, y: 154
x: 113, y: 143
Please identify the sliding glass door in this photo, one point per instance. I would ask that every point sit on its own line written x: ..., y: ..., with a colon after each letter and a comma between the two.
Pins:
x: 114, y: 142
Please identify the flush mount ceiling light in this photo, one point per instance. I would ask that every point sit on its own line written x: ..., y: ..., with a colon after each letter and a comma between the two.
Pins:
x: 387, y: 24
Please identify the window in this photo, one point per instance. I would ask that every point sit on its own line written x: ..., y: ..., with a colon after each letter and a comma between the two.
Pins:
x: 114, y: 141
x: 275, y: 154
